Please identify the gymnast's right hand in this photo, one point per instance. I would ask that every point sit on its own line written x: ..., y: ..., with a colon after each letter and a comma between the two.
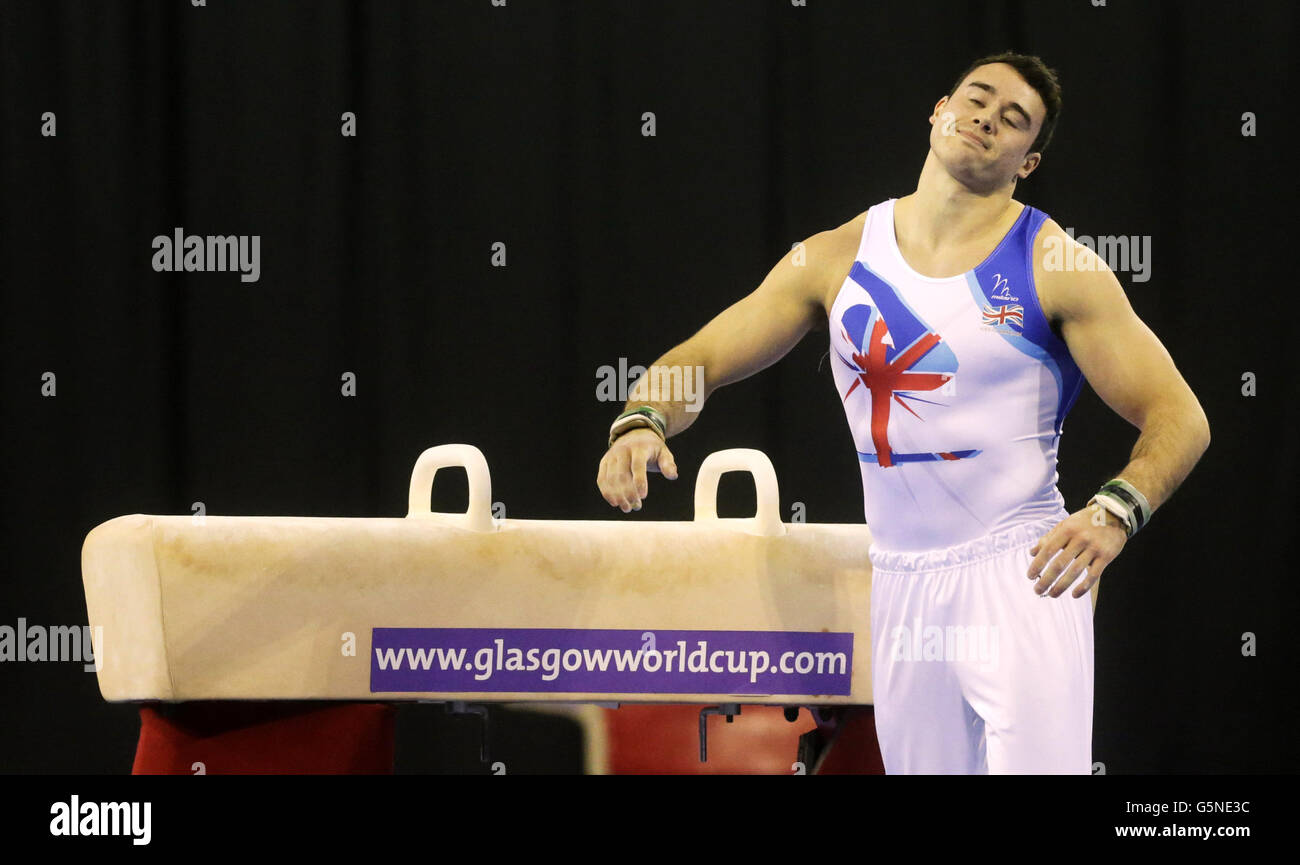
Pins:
x: 622, y: 475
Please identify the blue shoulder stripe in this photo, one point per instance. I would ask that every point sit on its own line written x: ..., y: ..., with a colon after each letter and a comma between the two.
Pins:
x: 1003, y: 288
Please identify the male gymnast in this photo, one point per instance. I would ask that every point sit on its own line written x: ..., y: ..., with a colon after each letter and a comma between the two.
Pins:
x: 961, y: 325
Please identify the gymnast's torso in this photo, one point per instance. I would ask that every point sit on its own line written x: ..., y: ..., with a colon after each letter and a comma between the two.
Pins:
x: 955, y: 389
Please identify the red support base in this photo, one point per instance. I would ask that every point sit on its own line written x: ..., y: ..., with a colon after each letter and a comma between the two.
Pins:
x: 854, y: 749
x: 265, y: 738
x: 664, y: 739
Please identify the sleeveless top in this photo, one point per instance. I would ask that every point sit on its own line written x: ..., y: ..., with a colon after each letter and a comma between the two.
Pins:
x: 955, y: 390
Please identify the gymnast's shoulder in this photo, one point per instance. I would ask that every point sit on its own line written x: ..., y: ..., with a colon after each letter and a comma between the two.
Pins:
x: 829, y: 255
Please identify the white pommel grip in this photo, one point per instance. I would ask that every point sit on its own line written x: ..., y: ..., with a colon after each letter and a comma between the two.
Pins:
x: 767, y: 517
x: 478, y: 515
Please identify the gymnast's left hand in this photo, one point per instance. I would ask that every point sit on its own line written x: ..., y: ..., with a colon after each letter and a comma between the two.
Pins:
x: 1090, y: 538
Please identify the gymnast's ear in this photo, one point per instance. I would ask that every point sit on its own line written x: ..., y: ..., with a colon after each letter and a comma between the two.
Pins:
x: 938, y: 106
x: 1027, y: 167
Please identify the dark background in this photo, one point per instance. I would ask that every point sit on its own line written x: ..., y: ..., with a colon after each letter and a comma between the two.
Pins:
x: 523, y: 125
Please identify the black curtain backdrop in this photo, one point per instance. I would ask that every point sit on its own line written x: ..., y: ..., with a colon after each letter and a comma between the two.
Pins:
x: 522, y: 125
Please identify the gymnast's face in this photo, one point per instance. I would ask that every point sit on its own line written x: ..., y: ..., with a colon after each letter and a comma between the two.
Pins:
x: 983, y: 132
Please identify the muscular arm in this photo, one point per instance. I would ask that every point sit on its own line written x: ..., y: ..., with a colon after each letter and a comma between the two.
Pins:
x: 746, y: 337
x: 751, y: 334
x: 1129, y: 368
x: 1133, y: 373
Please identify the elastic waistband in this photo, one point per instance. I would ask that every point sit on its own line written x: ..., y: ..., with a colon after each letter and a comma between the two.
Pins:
x: 1023, y: 535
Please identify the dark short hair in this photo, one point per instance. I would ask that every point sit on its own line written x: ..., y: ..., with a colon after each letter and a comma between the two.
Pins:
x: 1037, y: 76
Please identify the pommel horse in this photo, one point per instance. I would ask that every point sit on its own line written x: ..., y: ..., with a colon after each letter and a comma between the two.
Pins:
x: 467, y: 609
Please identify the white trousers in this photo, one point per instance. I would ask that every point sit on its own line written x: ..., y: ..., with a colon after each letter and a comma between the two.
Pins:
x: 974, y: 673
